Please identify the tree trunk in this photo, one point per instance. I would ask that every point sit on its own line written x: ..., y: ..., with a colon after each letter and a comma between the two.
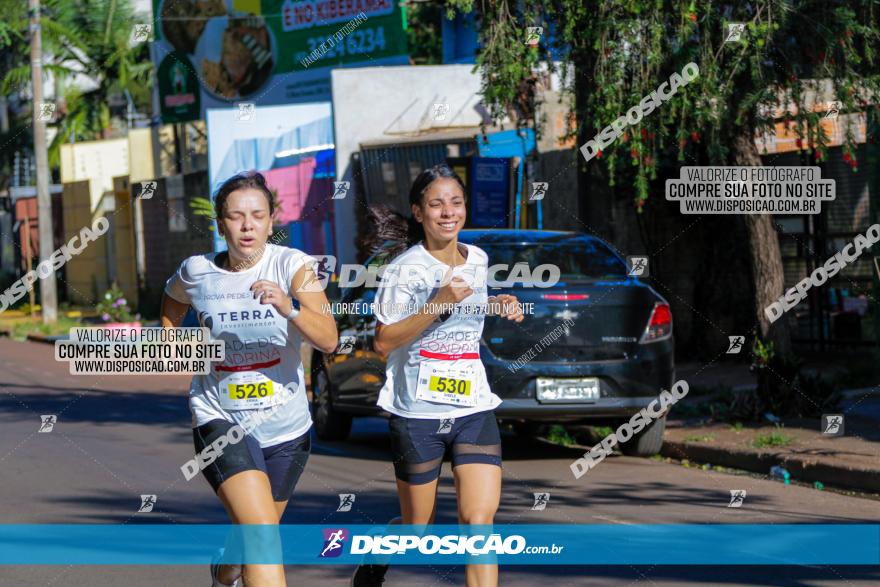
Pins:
x: 766, y: 257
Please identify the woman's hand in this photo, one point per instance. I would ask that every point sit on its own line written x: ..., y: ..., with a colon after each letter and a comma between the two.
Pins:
x: 455, y: 290
x: 268, y: 292
x: 510, y: 307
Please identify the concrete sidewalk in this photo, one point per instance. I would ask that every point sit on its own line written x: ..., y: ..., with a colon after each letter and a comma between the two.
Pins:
x: 850, y: 461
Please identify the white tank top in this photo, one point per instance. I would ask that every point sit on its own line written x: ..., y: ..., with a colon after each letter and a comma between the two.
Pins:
x: 261, y: 346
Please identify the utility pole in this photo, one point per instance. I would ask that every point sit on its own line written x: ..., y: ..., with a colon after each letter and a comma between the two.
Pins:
x: 48, y: 297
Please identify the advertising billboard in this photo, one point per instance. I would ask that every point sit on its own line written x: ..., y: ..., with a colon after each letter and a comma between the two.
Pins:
x: 214, y: 53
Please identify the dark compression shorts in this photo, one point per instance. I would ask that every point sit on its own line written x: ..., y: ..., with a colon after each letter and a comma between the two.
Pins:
x: 282, y: 463
x: 419, y: 445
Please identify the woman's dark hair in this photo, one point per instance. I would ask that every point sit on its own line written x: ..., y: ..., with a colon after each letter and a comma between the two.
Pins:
x: 388, y: 226
x: 248, y: 179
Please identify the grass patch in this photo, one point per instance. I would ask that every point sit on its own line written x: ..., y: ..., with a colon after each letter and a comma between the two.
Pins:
x: 775, y: 438
x: 21, y: 328
x: 738, y: 427
x: 559, y: 435
x: 714, y: 402
x: 603, y: 431
x: 699, y: 438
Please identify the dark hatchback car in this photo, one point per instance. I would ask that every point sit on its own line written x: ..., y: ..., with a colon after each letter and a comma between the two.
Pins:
x: 610, y: 354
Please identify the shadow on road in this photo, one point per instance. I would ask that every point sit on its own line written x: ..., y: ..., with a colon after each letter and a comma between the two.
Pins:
x: 790, y: 576
x: 369, y: 439
x: 95, y: 406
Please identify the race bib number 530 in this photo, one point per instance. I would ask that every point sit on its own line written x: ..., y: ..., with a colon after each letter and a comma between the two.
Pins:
x: 447, y: 385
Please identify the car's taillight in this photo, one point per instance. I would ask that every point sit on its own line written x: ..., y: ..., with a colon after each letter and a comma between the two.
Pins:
x: 660, y: 324
x: 565, y: 297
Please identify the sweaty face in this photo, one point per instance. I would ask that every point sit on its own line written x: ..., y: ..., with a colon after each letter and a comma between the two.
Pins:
x: 246, y: 223
x: 443, y: 210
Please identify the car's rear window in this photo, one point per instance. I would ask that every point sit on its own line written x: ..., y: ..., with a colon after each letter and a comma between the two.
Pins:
x: 577, y: 258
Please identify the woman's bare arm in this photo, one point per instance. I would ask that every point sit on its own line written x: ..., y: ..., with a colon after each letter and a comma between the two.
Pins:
x: 173, y: 312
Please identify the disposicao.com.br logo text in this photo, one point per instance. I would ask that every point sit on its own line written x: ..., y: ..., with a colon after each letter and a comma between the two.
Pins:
x: 431, y: 544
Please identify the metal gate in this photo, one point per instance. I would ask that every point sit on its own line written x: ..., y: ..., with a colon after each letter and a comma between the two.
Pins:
x: 389, y: 170
x: 843, y: 311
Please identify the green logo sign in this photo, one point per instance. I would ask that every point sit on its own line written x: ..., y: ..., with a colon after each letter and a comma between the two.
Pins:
x: 179, y: 91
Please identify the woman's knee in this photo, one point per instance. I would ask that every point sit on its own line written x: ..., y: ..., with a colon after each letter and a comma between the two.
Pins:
x: 254, y: 543
x: 418, y: 518
x: 477, y: 516
x: 247, y: 497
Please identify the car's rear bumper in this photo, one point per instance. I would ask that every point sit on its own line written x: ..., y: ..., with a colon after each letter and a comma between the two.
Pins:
x: 602, y: 409
x: 625, y: 386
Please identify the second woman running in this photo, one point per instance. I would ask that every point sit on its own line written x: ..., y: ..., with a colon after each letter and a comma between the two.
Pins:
x: 436, y: 389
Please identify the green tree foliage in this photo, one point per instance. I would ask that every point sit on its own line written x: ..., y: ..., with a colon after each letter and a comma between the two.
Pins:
x: 203, y: 207
x: 16, y: 138
x: 423, y: 35
x: 86, y: 40
x: 794, y: 56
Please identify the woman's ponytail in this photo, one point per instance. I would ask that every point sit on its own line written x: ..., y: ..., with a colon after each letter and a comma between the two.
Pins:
x: 389, y: 231
x: 395, y: 232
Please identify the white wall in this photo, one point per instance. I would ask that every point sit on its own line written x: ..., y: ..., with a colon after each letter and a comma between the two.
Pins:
x: 96, y: 161
x: 269, y: 122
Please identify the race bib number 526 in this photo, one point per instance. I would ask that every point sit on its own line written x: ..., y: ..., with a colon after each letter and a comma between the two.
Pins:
x: 240, y: 391
x: 249, y: 390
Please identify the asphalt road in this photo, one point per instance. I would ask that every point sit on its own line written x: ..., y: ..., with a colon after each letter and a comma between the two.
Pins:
x: 119, y: 437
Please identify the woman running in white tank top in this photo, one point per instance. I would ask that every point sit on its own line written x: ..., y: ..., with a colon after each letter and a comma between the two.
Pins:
x: 255, y: 299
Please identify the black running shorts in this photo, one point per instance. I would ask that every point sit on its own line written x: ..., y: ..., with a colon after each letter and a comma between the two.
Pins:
x: 419, y: 445
x: 282, y: 463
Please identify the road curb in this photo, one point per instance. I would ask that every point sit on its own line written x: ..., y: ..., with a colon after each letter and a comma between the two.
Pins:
x: 801, y: 469
x: 37, y: 337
